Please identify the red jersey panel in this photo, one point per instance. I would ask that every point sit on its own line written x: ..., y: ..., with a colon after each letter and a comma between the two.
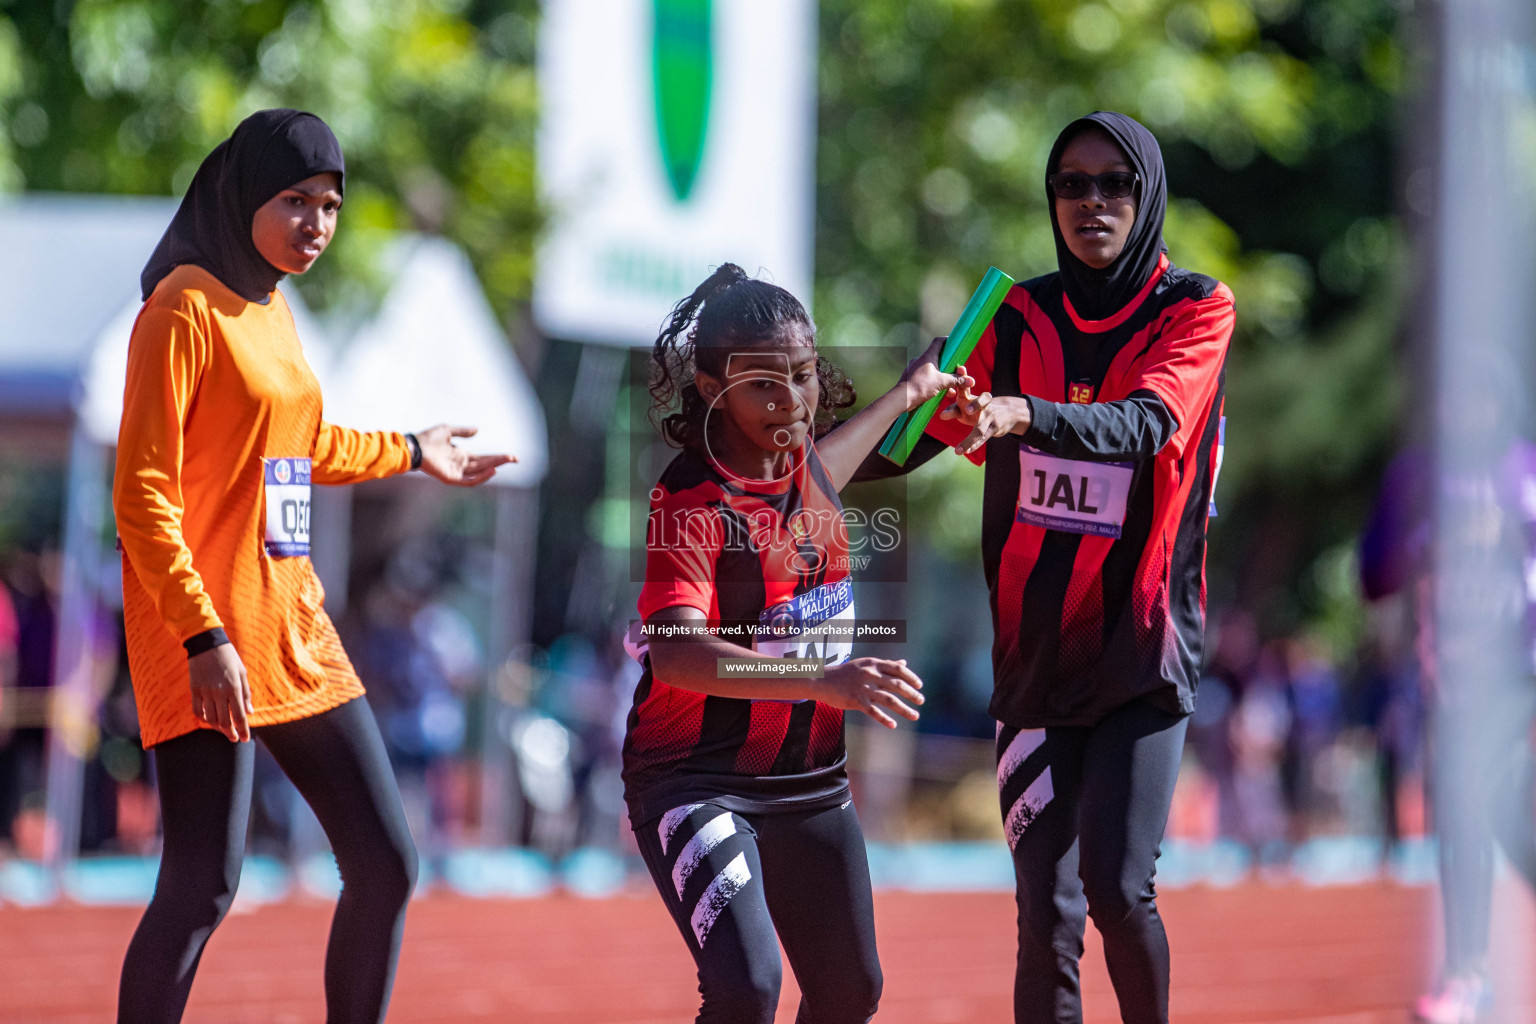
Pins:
x: 1096, y: 562
x: 753, y: 557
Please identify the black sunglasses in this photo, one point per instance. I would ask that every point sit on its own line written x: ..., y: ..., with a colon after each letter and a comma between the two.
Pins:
x: 1111, y: 184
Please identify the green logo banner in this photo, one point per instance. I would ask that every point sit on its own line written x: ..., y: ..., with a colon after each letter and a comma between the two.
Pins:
x: 682, y: 61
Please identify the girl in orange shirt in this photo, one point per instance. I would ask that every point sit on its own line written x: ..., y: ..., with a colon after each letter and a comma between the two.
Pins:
x: 227, y: 635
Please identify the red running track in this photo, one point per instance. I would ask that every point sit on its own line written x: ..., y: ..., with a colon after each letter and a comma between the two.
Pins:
x: 1254, y: 953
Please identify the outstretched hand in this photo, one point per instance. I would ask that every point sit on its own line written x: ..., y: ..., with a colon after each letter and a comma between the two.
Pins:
x: 924, y: 379
x: 964, y: 405
x: 986, y: 415
x: 440, y: 458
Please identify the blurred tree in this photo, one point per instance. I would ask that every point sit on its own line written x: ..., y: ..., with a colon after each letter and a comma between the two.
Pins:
x: 1277, y: 119
x: 434, y: 102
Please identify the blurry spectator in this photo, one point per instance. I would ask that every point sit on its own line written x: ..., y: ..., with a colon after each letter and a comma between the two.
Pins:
x: 1261, y: 726
x: 103, y: 637
x: 1388, y: 703
x: 27, y: 574
x: 136, y: 814
x: 1221, y: 689
x: 603, y: 818
x: 588, y: 689
x: 418, y: 657
x: 1316, y: 710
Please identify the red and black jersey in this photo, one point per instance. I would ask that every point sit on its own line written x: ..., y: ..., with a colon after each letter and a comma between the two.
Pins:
x: 750, y: 555
x: 1094, y: 521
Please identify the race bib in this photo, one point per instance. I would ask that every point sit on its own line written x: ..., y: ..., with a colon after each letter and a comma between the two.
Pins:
x: 1072, y: 495
x: 287, y: 491
x: 817, y: 624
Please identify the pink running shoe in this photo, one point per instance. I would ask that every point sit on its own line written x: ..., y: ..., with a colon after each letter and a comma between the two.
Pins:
x: 1463, y: 999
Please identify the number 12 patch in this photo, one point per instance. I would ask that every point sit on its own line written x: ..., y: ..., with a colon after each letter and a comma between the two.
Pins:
x: 287, y: 491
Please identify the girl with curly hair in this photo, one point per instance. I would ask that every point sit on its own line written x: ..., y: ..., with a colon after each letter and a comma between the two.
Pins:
x: 734, y: 763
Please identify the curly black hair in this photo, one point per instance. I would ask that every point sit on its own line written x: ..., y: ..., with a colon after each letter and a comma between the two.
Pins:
x: 729, y: 310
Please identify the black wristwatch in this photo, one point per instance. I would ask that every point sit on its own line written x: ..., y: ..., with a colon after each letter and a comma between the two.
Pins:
x: 415, y: 446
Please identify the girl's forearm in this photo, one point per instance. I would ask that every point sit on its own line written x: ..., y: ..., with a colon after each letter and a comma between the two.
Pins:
x: 844, y: 449
x: 694, y: 665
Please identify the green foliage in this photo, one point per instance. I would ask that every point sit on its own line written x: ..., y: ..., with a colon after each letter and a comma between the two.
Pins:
x: 1276, y: 118
x: 434, y: 102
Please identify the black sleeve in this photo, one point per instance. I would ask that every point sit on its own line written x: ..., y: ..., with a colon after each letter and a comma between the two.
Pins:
x: 877, y: 467
x: 1132, y: 428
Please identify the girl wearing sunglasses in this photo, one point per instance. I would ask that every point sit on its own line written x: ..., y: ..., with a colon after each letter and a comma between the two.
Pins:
x: 1098, y: 418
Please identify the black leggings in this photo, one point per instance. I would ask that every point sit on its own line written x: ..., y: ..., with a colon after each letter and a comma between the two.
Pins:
x: 1084, y: 810
x: 337, y: 762
x: 730, y: 880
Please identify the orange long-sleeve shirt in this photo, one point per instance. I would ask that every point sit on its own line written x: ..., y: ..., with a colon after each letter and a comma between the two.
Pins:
x: 216, y: 385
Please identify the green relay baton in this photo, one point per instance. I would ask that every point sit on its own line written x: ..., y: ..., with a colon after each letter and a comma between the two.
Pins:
x: 904, y: 433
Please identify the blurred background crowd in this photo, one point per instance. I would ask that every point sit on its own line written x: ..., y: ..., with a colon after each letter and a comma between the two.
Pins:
x: 1294, y: 737
x: 1292, y: 133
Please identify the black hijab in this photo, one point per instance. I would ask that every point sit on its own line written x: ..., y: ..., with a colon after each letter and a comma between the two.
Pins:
x: 268, y: 152
x: 1099, y: 294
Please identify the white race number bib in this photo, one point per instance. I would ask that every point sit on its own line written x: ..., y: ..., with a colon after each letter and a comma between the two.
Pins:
x: 817, y: 624
x: 287, y: 492
x: 1073, y: 495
